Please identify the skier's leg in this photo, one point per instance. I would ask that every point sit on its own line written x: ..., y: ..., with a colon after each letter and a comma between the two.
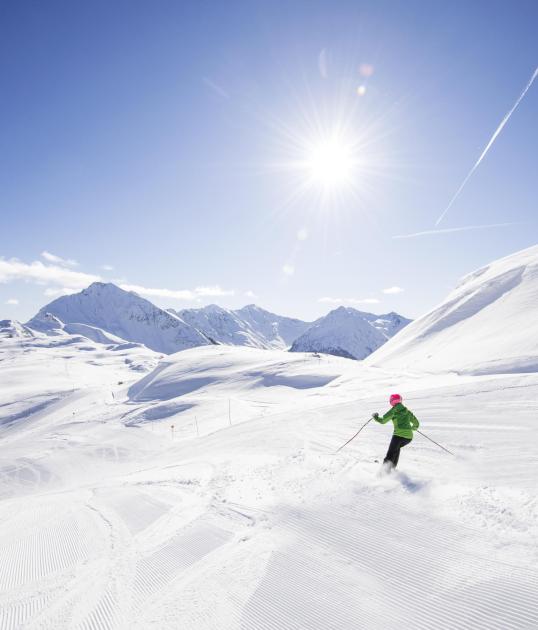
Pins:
x: 391, y: 453
x: 397, y: 452
x: 401, y: 443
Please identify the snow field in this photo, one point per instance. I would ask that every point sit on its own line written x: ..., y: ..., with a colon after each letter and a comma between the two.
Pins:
x: 112, y: 523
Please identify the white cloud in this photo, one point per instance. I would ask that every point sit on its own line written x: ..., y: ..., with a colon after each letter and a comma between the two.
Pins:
x: 330, y: 300
x: 250, y: 294
x: 393, y: 290
x: 59, y: 291
x: 62, y: 281
x: 164, y: 293
x: 107, y: 267
x: 58, y: 260
x: 181, y: 294
x: 12, y: 301
x: 302, y: 234
x: 289, y: 270
x: 42, y: 274
x: 214, y: 291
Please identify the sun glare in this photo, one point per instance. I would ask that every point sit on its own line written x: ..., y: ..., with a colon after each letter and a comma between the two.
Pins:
x: 330, y: 163
x: 332, y: 156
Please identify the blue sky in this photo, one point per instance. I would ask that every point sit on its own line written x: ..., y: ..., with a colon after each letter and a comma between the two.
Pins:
x: 162, y: 145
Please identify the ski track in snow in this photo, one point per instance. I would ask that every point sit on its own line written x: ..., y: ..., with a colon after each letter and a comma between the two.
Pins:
x: 259, y: 525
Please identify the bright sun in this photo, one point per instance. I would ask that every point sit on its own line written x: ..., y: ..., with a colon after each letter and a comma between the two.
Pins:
x: 330, y: 163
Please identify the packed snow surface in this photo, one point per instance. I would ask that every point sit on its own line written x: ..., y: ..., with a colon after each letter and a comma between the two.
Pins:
x: 201, y: 490
x: 487, y: 325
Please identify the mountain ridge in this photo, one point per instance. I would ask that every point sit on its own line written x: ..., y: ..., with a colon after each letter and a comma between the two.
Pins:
x: 106, y: 313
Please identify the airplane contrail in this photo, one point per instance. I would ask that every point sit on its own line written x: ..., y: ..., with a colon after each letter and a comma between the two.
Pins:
x: 464, y: 228
x: 488, y: 146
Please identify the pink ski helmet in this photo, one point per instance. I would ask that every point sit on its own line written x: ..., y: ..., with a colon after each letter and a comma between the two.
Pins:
x: 395, y: 399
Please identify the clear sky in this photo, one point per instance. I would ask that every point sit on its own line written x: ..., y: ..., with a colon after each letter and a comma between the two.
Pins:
x: 267, y: 152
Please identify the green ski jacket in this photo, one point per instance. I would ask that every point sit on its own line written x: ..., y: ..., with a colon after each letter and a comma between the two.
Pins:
x: 404, y: 421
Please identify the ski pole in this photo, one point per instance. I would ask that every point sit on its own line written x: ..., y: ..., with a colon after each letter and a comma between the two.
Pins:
x: 428, y: 438
x: 350, y: 439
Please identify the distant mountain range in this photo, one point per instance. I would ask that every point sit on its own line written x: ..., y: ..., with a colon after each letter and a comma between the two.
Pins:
x: 107, y: 314
x: 486, y: 325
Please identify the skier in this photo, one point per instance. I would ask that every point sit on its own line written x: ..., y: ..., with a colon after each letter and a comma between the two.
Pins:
x: 404, y: 425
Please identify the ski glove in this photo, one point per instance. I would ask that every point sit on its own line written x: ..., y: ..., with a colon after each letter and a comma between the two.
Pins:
x: 375, y: 416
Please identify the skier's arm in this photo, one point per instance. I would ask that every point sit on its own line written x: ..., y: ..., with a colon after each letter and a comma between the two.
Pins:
x: 384, y: 419
x: 414, y: 422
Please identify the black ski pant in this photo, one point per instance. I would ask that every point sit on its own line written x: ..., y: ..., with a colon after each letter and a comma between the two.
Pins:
x: 393, y: 454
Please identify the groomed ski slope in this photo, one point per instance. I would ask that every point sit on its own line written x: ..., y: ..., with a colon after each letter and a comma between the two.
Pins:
x: 109, y: 519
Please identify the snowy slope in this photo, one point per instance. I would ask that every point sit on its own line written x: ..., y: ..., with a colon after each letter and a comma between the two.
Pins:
x: 249, y: 326
x: 242, y: 516
x: 122, y: 314
x: 92, y: 332
x: 11, y: 328
x: 349, y: 333
x: 488, y: 324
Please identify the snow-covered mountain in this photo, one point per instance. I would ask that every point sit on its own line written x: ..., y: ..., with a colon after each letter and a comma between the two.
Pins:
x: 249, y: 326
x: 107, y: 314
x: 105, y: 308
x: 221, y: 325
x: 349, y: 333
x: 280, y: 331
x: 487, y: 324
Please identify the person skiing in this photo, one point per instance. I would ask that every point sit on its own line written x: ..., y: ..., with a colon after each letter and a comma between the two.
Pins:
x: 404, y: 425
